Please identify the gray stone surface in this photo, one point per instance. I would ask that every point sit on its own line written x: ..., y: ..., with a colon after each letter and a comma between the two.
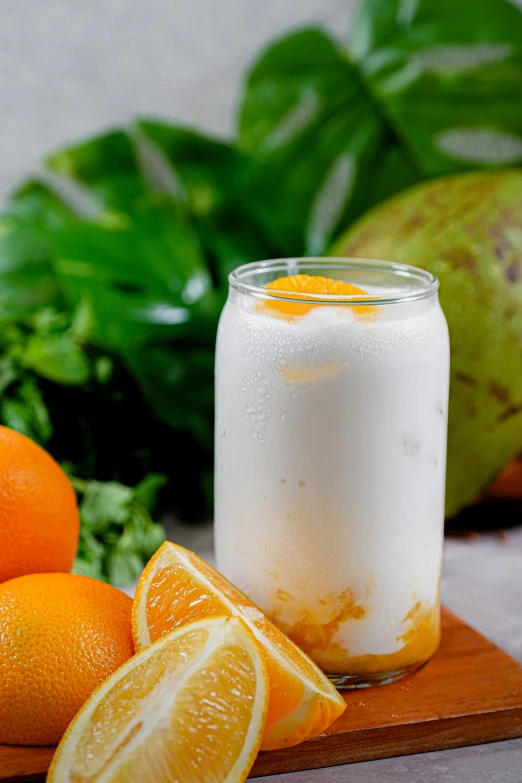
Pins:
x: 500, y: 762
x: 482, y: 582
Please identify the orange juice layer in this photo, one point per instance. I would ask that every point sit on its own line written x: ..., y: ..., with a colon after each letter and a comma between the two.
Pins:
x: 317, y: 285
x: 419, y: 640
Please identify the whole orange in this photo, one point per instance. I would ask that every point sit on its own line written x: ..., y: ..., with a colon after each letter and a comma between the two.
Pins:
x: 61, y: 635
x: 39, y: 522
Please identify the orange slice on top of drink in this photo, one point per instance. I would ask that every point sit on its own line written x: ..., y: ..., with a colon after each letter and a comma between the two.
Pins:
x: 310, y: 286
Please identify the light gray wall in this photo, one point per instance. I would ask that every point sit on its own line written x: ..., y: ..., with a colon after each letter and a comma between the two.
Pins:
x: 69, y: 68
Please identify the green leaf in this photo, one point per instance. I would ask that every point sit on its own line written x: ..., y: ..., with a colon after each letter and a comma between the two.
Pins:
x: 117, y: 535
x: 86, y: 568
x: 312, y: 134
x: 141, y: 534
x: 152, y: 303
x: 104, y: 504
x: 209, y: 170
x: 203, y: 177
x: 445, y: 78
x: 124, y: 567
x: 82, y: 325
x: 152, y: 538
x: 176, y: 374
x: 103, y: 369
x: 26, y: 277
x: 146, y: 492
x: 27, y: 280
x: 393, y: 171
x: 41, y: 425
x: 51, y: 202
x: 106, y: 165
x: 58, y: 358
x: 8, y: 373
x: 214, y: 176
x: 48, y: 319
x: 139, y: 279
x: 23, y: 409
x: 90, y: 557
x: 156, y: 169
x: 431, y: 87
x: 16, y: 415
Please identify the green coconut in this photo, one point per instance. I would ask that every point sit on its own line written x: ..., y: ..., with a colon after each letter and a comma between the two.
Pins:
x: 467, y: 230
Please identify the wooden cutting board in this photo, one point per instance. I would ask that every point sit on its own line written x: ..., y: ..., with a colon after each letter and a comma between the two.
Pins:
x: 469, y: 693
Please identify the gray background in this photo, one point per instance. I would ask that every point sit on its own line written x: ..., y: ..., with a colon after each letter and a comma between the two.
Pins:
x: 69, y: 68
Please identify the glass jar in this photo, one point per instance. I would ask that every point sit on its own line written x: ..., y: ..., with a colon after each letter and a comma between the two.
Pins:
x: 331, y: 420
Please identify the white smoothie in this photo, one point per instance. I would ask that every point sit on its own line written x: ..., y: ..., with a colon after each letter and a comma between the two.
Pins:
x: 330, y: 465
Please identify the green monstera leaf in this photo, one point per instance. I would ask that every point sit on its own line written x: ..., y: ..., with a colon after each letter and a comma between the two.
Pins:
x: 311, y: 133
x: 446, y: 78
x: 427, y: 87
x: 106, y: 166
x: 203, y: 177
x: 214, y: 178
x: 27, y: 280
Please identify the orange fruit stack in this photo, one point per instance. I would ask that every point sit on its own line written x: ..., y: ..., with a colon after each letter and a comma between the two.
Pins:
x: 60, y: 636
x: 39, y: 522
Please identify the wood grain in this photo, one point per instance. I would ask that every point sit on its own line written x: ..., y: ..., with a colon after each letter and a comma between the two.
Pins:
x: 24, y: 764
x: 469, y: 693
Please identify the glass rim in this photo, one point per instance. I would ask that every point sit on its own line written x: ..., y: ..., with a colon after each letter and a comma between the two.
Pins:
x: 429, y: 283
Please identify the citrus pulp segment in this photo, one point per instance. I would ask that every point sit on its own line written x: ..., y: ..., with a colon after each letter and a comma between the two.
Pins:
x: 188, y: 709
x: 177, y: 587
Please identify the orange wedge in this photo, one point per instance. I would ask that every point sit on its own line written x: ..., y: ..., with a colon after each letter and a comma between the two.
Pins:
x: 189, y: 709
x: 177, y: 587
x: 303, y: 286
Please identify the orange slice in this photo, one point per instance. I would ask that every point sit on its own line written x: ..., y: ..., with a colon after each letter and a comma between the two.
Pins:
x: 305, y: 285
x: 190, y: 708
x: 177, y: 586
